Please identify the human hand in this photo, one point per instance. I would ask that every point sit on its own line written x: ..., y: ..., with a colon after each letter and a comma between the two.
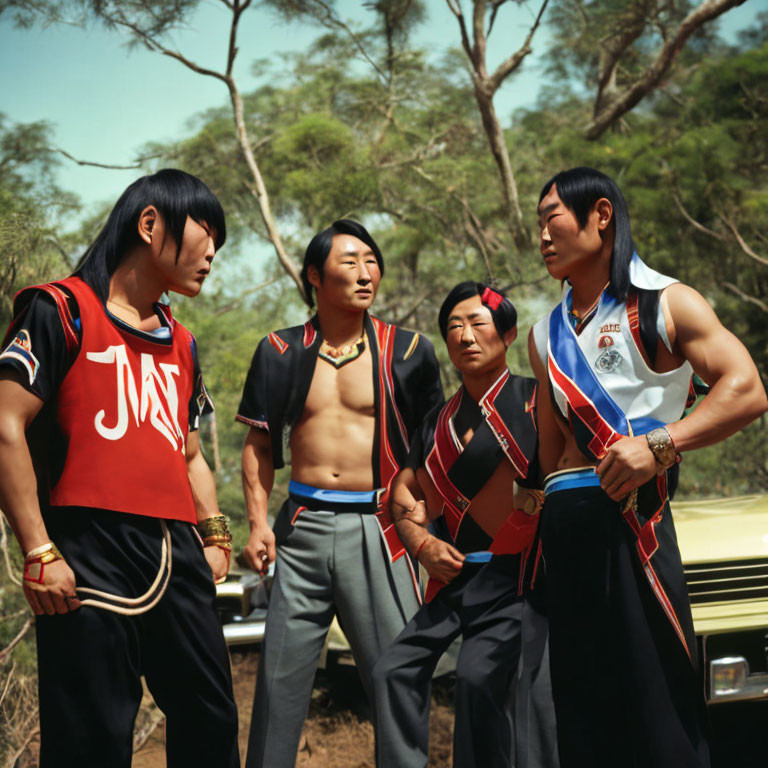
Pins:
x: 56, y: 593
x: 218, y: 561
x: 260, y: 550
x: 440, y: 559
x: 626, y: 465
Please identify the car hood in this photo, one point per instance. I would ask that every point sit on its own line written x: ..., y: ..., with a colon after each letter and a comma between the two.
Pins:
x: 722, y: 529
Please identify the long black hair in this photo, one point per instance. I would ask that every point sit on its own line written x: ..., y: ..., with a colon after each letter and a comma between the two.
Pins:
x: 501, y: 308
x: 320, y: 246
x: 580, y: 189
x: 176, y: 195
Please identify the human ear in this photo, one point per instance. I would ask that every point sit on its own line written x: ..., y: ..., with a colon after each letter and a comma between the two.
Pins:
x: 604, y: 211
x: 509, y: 336
x: 147, y: 223
x: 313, y: 275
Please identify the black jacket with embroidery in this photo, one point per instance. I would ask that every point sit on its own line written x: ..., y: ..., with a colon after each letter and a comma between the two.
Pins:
x: 406, y: 379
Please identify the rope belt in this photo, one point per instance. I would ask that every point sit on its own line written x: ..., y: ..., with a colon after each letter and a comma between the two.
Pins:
x: 134, y: 606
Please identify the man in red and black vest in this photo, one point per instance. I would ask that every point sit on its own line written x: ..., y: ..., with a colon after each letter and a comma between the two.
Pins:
x: 345, y: 392
x: 472, y: 471
x: 118, y: 520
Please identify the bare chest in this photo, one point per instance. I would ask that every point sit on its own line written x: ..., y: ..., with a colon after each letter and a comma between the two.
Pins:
x: 349, y: 388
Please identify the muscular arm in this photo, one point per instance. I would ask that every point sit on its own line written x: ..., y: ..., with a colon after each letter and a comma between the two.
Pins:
x: 735, y: 399
x: 203, y: 487
x: 551, y: 440
x: 409, y: 510
x: 258, y: 479
x: 18, y: 497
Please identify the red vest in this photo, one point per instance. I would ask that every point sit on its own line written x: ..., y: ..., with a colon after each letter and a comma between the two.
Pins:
x: 123, y: 406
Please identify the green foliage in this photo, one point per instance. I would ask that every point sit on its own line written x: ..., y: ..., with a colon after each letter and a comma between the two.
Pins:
x: 410, y: 159
x: 31, y: 207
x: 363, y: 124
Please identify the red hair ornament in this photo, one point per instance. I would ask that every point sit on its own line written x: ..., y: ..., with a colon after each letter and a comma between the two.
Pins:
x: 491, y: 298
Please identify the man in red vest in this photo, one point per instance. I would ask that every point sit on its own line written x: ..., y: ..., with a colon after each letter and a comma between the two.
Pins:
x: 101, y: 393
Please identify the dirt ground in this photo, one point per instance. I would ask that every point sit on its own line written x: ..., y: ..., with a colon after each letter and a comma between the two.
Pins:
x: 337, y: 733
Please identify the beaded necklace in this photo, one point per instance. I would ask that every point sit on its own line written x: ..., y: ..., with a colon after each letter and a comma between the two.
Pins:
x: 338, y: 356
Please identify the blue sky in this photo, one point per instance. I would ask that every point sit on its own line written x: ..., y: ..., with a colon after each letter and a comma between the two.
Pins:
x: 105, y: 101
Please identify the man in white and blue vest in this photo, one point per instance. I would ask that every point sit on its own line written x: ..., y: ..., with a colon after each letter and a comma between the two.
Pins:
x: 614, y: 361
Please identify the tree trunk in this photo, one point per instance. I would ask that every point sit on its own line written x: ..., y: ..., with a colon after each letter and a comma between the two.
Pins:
x: 500, y: 154
x: 259, y: 190
x: 215, y: 444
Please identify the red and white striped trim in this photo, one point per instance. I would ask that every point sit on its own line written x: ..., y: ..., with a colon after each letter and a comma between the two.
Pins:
x: 277, y: 342
x: 499, y: 428
x: 584, y: 409
x: 309, y: 334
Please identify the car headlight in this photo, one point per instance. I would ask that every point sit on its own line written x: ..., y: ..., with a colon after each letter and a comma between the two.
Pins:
x: 728, y: 675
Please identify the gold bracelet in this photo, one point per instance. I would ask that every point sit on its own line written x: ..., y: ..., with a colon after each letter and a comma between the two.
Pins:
x: 213, y: 526
x: 41, y: 551
x: 37, y: 559
x: 662, y: 446
x: 218, y: 541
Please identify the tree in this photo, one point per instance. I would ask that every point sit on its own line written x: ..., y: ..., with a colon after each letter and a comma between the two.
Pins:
x: 626, y: 48
x: 148, y: 23
x: 485, y: 86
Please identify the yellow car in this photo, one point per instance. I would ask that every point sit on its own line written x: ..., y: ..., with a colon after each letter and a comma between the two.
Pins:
x: 724, y: 546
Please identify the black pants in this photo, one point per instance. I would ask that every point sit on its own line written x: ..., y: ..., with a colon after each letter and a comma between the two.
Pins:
x: 626, y: 693
x: 481, y: 603
x: 90, y: 662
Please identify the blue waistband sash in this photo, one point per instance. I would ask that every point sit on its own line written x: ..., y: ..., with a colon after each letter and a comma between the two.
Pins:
x: 577, y: 478
x: 331, y: 497
x: 478, y: 557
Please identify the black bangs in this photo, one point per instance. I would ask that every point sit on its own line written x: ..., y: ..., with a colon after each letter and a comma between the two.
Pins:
x: 501, y: 308
x: 580, y: 189
x: 188, y: 196
x: 176, y: 195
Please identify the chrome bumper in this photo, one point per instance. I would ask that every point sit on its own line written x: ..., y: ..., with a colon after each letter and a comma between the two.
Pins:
x: 244, y: 632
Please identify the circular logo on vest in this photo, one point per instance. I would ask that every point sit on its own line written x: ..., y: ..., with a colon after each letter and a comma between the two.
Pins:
x: 605, y: 341
x: 608, y: 361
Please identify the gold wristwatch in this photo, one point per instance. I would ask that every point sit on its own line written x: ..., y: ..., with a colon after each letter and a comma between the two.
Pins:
x: 662, y: 447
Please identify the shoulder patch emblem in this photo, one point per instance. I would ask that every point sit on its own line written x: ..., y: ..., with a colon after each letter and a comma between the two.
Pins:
x: 20, y: 349
x: 277, y: 343
x: 414, y: 343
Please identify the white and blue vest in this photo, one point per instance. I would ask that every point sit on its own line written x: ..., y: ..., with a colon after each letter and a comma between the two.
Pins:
x: 608, y: 347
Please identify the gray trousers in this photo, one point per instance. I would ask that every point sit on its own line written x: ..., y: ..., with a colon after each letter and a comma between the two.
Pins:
x: 326, y: 563
x: 481, y: 605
